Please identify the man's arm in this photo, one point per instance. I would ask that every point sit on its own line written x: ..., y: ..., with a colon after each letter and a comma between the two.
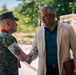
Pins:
x: 18, y: 53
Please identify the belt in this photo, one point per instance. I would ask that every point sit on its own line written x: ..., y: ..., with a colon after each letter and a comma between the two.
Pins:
x: 52, y: 70
x: 52, y: 66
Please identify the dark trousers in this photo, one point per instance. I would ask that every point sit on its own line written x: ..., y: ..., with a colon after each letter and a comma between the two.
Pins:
x: 52, y: 70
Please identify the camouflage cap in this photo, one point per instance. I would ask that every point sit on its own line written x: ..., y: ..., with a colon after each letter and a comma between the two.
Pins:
x: 8, y: 15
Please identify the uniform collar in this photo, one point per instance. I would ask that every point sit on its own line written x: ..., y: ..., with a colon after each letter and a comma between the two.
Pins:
x: 3, y: 30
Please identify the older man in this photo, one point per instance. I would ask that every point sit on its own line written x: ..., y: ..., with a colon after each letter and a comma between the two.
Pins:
x: 52, y: 43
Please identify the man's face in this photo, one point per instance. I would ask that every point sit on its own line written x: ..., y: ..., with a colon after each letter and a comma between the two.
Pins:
x: 13, y: 26
x: 47, y: 18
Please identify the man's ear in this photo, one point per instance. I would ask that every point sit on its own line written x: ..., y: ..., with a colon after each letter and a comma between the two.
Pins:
x: 8, y: 25
x: 53, y: 16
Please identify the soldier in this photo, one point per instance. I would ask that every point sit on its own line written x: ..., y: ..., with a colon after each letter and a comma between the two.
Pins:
x: 10, y: 52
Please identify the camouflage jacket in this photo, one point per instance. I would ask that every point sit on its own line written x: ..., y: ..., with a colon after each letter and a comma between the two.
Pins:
x: 8, y: 62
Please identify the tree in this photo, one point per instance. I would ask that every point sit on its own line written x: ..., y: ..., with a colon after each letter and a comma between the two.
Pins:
x: 4, y: 8
x: 29, y: 8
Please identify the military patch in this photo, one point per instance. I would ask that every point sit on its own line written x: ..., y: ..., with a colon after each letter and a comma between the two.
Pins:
x: 8, y: 41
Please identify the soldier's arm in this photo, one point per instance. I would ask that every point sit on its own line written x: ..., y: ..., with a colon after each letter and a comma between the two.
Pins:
x: 18, y: 53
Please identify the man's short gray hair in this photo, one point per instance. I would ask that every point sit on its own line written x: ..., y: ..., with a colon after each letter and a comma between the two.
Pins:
x: 50, y: 9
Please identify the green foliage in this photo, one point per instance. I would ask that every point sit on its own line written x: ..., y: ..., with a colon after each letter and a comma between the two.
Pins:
x: 26, y: 29
x: 23, y: 25
x: 64, y: 7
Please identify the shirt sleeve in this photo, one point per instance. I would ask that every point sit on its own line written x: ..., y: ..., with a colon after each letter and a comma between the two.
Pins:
x: 10, y: 43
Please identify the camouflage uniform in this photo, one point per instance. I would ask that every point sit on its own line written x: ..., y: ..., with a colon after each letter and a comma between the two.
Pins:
x: 8, y: 62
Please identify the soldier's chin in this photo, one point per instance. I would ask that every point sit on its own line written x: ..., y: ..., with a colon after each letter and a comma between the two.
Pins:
x: 44, y: 23
x: 15, y: 30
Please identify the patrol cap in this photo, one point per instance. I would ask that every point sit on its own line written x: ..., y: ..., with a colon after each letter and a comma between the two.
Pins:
x: 8, y: 15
